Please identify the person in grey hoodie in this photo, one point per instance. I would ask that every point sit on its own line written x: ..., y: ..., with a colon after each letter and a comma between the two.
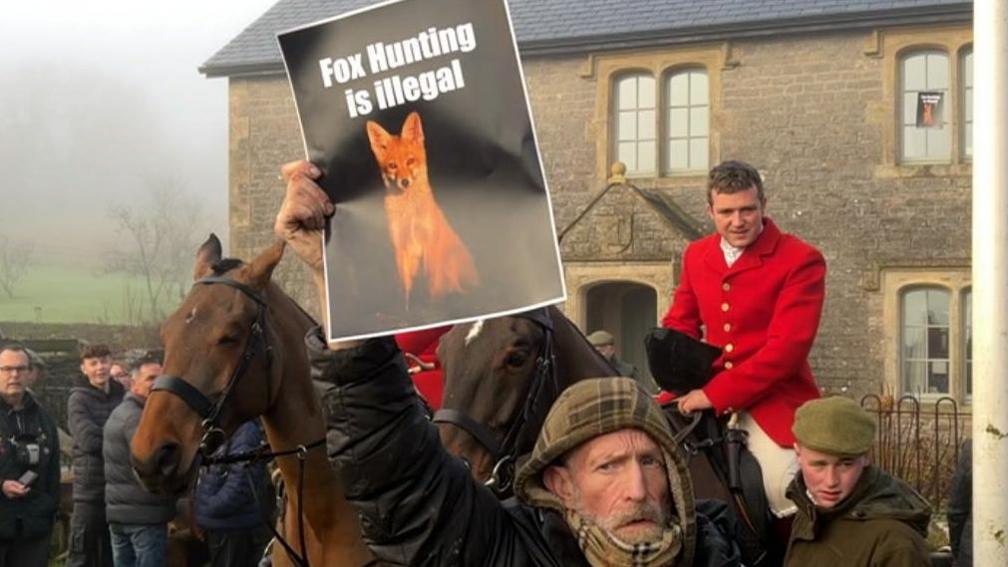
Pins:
x: 92, y: 399
x: 138, y: 520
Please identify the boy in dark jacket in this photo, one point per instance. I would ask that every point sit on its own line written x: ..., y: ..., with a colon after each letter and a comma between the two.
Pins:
x: 226, y: 507
x: 92, y: 400
x: 28, y: 445
x: 850, y: 513
x: 138, y: 520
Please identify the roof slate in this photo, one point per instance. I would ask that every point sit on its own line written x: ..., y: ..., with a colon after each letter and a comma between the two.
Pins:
x: 572, y: 23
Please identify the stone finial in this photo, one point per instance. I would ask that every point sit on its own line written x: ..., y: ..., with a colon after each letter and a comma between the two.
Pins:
x: 618, y: 170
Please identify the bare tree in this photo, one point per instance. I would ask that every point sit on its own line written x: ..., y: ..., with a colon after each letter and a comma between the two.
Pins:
x: 15, y: 259
x: 162, y: 234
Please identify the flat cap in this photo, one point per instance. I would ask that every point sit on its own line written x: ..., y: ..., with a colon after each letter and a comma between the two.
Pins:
x: 601, y: 338
x: 834, y: 425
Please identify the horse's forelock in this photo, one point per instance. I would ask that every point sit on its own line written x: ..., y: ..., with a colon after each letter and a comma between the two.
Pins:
x: 225, y: 265
x: 474, y: 331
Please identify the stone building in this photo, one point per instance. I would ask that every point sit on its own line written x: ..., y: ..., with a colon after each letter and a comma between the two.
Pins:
x: 821, y: 95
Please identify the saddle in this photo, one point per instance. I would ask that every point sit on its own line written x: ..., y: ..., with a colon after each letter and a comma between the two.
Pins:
x: 679, y: 364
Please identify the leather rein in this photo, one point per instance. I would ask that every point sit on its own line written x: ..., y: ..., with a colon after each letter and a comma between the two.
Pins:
x: 519, y: 437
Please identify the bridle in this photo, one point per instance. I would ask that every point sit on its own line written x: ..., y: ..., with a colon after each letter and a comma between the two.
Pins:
x: 210, y: 411
x: 524, y: 427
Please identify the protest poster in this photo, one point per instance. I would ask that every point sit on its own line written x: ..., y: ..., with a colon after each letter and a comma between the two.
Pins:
x: 416, y: 113
x: 929, y: 110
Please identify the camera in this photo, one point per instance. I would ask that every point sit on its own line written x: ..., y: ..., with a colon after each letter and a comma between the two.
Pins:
x: 27, y: 453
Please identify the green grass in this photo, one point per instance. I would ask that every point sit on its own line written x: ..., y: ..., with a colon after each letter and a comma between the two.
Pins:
x: 74, y: 294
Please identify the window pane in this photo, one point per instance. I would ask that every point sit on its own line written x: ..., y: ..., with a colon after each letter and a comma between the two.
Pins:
x: 698, y: 121
x: 968, y: 105
x: 645, y: 157
x: 914, y: 143
x: 678, y: 90
x: 938, y: 378
x: 698, y: 153
x: 914, y: 307
x: 913, y: 376
x: 910, y: 109
x: 913, y: 73
x: 937, y: 71
x: 627, y: 127
x: 646, y: 125
x: 913, y: 343
x: 678, y: 156
x: 938, y: 142
x: 627, y: 154
x: 968, y: 69
x: 968, y: 139
x: 678, y: 123
x: 938, y: 338
x: 698, y: 87
x: 626, y: 93
x: 938, y: 307
x: 645, y: 92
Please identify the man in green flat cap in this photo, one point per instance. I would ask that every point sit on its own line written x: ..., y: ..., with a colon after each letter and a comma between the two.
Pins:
x: 850, y: 513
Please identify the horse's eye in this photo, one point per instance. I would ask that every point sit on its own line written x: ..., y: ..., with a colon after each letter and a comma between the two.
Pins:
x: 227, y: 340
x: 516, y: 359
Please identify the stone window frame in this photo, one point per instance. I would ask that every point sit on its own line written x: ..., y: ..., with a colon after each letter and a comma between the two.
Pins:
x: 890, y: 46
x: 894, y: 283
x: 607, y: 68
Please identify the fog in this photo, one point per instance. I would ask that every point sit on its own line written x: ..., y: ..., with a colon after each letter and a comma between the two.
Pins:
x: 101, y: 99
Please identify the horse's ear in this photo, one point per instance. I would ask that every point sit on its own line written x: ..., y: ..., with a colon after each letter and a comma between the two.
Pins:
x: 207, y: 255
x: 260, y: 270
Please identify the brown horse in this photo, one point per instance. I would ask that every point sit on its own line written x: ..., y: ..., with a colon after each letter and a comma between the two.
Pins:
x: 501, y: 377
x: 235, y: 350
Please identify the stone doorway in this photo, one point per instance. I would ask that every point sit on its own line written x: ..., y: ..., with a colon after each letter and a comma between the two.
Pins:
x: 628, y: 311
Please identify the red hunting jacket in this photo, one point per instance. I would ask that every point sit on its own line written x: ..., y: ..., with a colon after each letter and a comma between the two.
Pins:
x: 423, y: 344
x: 763, y: 313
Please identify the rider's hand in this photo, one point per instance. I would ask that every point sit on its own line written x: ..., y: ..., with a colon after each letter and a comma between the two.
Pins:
x: 14, y: 489
x: 695, y: 400
x: 303, y: 212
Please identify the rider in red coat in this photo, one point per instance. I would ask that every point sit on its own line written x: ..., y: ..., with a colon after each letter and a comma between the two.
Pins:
x: 763, y: 312
x: 758, y: 293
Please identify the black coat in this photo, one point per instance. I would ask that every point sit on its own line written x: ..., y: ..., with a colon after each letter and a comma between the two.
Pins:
x: 418, y: 504
x: 126, y: 501
x: 224, y: 497
x: 87, y: 411
x: 33, y: 514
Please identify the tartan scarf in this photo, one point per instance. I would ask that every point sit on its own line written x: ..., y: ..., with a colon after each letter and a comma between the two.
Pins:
x: 601, y: 549
x: 595, y: 407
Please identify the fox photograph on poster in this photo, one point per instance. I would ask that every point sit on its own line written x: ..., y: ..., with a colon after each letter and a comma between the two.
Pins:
x: 417, y: 115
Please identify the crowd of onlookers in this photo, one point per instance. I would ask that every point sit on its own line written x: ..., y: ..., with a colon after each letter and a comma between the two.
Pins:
x: 115, y: 521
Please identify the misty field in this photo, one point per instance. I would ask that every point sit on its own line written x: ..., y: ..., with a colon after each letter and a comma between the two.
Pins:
x: 74, y: 294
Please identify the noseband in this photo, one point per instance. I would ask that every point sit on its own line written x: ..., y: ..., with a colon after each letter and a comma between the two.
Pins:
x: 209, y: 411
x: 524, y: 427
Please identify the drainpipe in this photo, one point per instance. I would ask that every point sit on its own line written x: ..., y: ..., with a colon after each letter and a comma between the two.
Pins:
x: 990, y: 283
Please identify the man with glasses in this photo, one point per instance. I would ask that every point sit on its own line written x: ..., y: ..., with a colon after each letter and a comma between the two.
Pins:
x: 29, y: 466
